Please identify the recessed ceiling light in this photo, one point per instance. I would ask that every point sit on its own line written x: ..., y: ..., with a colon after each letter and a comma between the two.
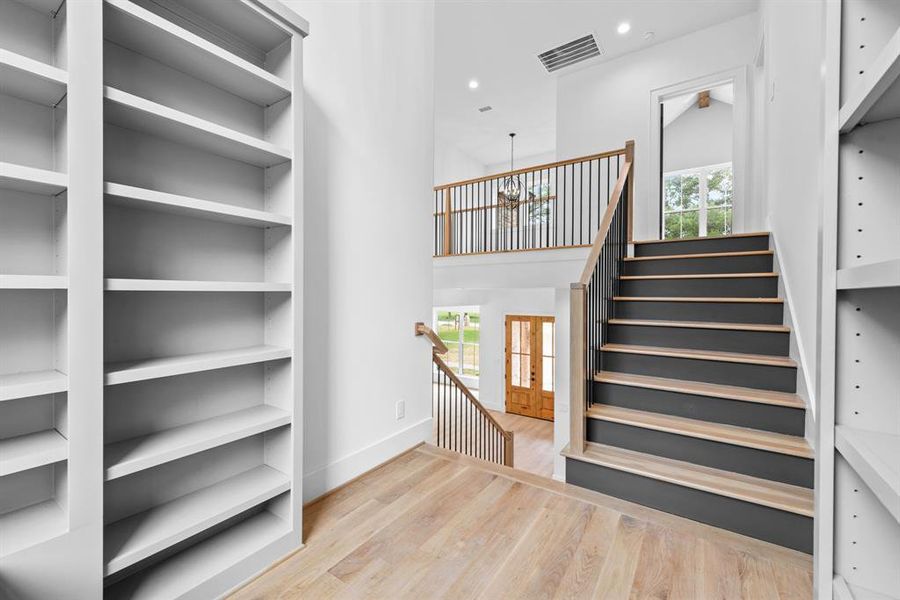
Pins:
x: 623, y: 28
x: 473, y: 84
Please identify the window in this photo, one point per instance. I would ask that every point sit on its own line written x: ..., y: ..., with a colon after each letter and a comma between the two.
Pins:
x: 698, y: 202
x: 460, y: 330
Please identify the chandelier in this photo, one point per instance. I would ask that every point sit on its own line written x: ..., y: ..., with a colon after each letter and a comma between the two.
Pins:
x: 509, y: 193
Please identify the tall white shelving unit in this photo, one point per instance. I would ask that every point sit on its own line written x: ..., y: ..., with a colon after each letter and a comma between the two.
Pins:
x: 865, y: 316
x: 150, y: 295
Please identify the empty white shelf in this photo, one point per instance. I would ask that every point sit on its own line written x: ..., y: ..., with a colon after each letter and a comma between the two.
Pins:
x: 133, y: 112
x: 875, y: 275
x: 33, y: 282
x: 190, y: 568
x: 31, y: 180
x: 31, y: 525
x: 140, y: 536
x: 133, y: 27
x: 874, y: 457
x: 877, y: 96
x: 33, y: 450
x: 130, y: 456
x: 30, y: 79
x: 151, y: 368
x: 34, y: 383
x: 178, y: 285
x: 126, y: 195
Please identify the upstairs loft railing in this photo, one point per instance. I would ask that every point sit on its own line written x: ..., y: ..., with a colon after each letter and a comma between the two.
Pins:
x: 559, y: 205
x: 461, y: 423
x: 591, y: 297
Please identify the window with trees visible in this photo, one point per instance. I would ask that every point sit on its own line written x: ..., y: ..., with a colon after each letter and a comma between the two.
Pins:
x: 460, y: 330
x: 698, y: 202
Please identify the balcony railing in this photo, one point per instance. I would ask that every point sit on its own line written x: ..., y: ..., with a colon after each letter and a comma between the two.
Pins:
x: 558, y: 205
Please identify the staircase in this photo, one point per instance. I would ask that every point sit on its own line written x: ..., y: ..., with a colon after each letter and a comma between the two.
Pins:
x: 690, y: 400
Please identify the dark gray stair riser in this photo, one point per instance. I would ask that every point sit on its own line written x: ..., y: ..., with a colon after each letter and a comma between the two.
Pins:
x: 767, y: 417
x: 727, y: 457
x: 727, y: 340
x: 703, y: 246
x: 726, y: 287
x: 767, y: 313
x: 761, y: 522
x: 762, y: 377
x: 753, y: 263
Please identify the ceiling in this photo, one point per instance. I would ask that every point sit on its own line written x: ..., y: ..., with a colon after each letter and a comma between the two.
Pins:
x: 497, y: 42
x: 675, y: 107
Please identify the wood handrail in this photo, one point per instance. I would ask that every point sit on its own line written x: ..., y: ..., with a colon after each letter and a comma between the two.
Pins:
x: 465, y: 390
x: 600, y: 238
x: 436, y: 341
x: 560, y: 163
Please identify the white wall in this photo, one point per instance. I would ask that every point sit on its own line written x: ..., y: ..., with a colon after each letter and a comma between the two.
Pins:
x: 793, y: 151
x: 452, y: 164
x: 598, y: 108
x: 369, y: 166
x: 699, y: 137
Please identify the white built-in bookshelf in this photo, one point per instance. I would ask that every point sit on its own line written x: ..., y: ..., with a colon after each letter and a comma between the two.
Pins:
x: 150, y: 295
x: 866, y: 502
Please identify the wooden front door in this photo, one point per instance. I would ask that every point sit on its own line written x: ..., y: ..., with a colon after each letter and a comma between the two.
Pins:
x: 530, y: 362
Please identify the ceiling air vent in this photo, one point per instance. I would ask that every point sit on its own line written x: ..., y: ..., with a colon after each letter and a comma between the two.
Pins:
x: 569, y: 54
x: 486, y: 108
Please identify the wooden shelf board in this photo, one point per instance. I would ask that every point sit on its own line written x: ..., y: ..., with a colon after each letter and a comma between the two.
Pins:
x: 126, y: 195
x: 875, y: 275
x: 717, y: 432
x: 185, y: 571
x: 136, y: 113
x: 29, y: 179
x: 31, y: 80
x: 877, y: 95
x: 130, y: 456
x: 152, y: 368
x: 781, y: 496
x: 700, y: 388
x: 178, y: 285
x: 874, y: 457
x: 33, y: 383
x: 26, y: 527
x: 33, y: 282
x: 32, y: 450
x: 713, y: 355
x: 140, y: 536
x: 131, y: 26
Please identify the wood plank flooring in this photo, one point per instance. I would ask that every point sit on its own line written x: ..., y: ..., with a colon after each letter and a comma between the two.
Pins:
x: 436, y: 524
x: 533, y: 443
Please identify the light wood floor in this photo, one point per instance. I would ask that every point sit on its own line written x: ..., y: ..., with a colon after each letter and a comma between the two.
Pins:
x: 435, y: 524
x: 533, y: 444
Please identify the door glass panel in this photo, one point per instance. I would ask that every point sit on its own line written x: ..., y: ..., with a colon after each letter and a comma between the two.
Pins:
x: 526, y: 337
x: 516, y: 374
x: 515, y: 336
x: 547, y: 338
x: 547, y: 382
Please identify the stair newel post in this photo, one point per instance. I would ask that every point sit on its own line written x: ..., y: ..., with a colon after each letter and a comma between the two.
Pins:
x: 448, y: 222
x: 508, y: 444
x: 577, y: 368
x: 629, y: 189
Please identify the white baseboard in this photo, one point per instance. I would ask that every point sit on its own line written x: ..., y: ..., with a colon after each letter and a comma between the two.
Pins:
x: 339, y: 472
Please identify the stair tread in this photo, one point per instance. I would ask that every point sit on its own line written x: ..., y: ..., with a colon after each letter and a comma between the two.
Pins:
x: 695, y: 299
x: 702, y: 276
x: 701, y: 255
x: 717, y: 432
x: 774, y: 494
x: 716, y: 355
x: 711, y: 237
x: 701, y: 388
x: 702, y: 325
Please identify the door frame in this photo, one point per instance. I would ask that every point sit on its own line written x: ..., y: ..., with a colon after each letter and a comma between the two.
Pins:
x: 538, y: 390
x: 741, y: 160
